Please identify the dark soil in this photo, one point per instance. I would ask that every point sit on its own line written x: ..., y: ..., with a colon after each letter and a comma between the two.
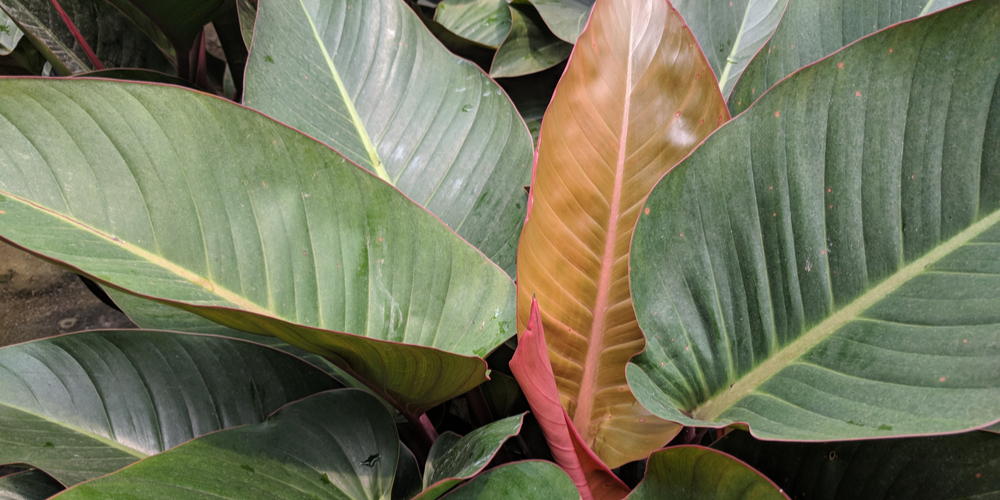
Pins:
x: 38, y: 299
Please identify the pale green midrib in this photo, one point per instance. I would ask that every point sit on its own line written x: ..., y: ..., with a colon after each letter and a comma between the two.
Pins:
x: 730, y: 59
x: 156, y: 260
x: 101, y: 439
x: 927, y: 7
x: 355, y: 118
x: 715, y: 406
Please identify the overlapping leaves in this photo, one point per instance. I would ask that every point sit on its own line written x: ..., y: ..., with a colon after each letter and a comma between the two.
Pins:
x: 213, y: 208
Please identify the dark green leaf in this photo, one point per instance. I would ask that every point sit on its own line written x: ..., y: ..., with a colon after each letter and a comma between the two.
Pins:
x: 527, y: 480
x: 530, y: 47
x: 936, y: 468
x: 179, y: 20
x: 482, y: 21
x: 824, y: 266
x: 696, y: 473
x: 407, y: 482
x: 83, y: 405
x: 454, y: 459
x: 223, y: 212
x: 317, y: 448
x: 248, y: 16
x: 28, y: 485
x: 368, y: 79
x: 810, y: 30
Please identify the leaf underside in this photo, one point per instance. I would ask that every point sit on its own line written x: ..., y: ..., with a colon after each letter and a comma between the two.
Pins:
x: 636, y: 97
x: 824, y: 266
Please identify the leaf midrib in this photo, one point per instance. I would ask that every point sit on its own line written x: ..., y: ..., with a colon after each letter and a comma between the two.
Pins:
x: 110, y: 443
x: 189, y: 276
x: 349, y: 102
x: 715, y: 406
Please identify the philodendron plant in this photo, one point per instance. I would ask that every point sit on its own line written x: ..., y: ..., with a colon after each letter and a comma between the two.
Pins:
x: 778, y: 217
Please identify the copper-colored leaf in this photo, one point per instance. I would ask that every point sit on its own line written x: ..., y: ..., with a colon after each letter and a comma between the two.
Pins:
x: 531, y: 367
x: 636, y: 97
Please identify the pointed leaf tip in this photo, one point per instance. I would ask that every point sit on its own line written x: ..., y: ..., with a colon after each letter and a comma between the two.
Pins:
x: 533, y: 371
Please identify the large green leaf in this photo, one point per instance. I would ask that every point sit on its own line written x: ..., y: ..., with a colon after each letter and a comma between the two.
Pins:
x: 482, y: 21
x: 83, y: 405
x: 335, y: 445
x: 529, y: 47
x: 812, y: 29
x: 825, y: 265
x: 115, y: 40
x: 218, y: 210
x: 28, y: 485
x: 527, y: 480
x: 730, y: 32
x: 566, y: 18
x: 697, y: 473
x: 636, y: 97
x: 936, y: 468
x: 368, y: 79
x: 152, y: 315
x: 454, y: 459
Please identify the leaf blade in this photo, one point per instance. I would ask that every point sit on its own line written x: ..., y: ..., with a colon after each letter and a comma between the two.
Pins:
x: 652, y: 99
x: 817, y: 285
x: 230, y: 234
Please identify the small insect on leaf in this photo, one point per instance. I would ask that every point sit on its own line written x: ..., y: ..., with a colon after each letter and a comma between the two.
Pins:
x: 269, y: 59
x: 372, y: 460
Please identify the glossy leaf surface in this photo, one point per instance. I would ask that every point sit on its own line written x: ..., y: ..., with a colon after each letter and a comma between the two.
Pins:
x: 482, y: 21
x: 533, y: 371
x: 824, y: 266
x: 730, y: 32
x: 115, y: 40
x: 697, y: 473
x: 225, y: 213
x: 454, y: 459
x: 28, y: 485
x: 334, y: 445
x: 530, y: 47
x: 812, y: 29
x: 82, y: 405
x: 935, y: 468
x: 528, y: 480
x: 152, y: 315
x: 636, y: 97
x: 566, y: 18
x: 368, y: 79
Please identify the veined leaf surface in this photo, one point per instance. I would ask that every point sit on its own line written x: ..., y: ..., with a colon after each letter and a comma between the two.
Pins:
x: 636, y: 97
x: 730, y: 32
x: 83, y: 405
x: 482, y: 21
x: 368, y: 79
x: 527, y: 480
x: 695, y: 472
x: 335, y: 445
x: 812, y: 29
x: 213, y: 208
x: 566, y: 18
x: 825, y: 266
x: 529, y: 47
